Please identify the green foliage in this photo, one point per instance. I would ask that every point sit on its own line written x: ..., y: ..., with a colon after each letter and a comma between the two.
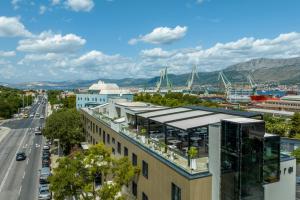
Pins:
x: 277, y: 125
x: 296, y: 154
x: 75, y: 175
x: 193, y: 152
x: 66, y: 126
x: 11, y: 100
x: 53, y: 96
x: 173, y: 99
x: 295, y: 124
x: 69, y: 102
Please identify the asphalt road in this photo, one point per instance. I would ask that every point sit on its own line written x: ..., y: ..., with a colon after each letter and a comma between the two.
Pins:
x: 19, y: 179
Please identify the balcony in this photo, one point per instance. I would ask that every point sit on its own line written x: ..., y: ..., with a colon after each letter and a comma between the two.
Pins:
x: 168, y: 153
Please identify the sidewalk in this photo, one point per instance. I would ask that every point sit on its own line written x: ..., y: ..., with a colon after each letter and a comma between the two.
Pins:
x: 3, y: 132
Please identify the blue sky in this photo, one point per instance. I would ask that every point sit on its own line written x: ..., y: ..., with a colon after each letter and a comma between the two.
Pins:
x: 90, y: 39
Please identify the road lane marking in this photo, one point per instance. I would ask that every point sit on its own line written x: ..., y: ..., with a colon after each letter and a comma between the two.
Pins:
x: 20, y: 190
x: 11, y: 163
x: 23, y: 174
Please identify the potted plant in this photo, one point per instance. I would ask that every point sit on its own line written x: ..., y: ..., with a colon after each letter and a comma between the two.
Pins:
x: 193, y: 152
x: 143, y: 135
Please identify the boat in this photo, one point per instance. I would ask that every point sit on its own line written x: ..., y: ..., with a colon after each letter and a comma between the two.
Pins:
x: 261, y: 98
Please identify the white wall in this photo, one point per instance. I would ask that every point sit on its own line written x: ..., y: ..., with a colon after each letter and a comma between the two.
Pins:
x: 214, y: 158
x: 285, y: 189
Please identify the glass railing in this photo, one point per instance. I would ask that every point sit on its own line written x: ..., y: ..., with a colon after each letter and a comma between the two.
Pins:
x: 167, y: 152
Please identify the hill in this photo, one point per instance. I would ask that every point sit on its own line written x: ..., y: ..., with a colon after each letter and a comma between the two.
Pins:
x: 285, y: 71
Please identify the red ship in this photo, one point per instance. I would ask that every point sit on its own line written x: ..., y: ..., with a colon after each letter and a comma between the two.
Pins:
x: 261, y: 98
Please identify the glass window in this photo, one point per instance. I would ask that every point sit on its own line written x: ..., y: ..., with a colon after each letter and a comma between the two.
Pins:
x: 144, y: 196
x: 125, y: 151
x: 103, y: 137
x: 134, y: 188
x: 119, y: 147
x: 134, y: 159
x: 176, y: 192
x: 145, y: 169
x: 108, y: 138
x: 113, y: 150
x: 113, y: 140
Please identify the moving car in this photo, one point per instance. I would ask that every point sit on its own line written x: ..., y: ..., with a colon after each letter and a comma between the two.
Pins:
x: 20, y: 156
x: 37, y: 131
x: 42, y: 117
x: 31, y: 116
x: 44, y: 192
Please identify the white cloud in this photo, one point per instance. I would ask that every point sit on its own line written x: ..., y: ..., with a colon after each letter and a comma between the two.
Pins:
x: 15, y: 4
x: 199, y: 1
x: 12, y: 27
x: 80, y: 5
x: 42, y: 10
x: 161, y: 35
x: 55, y: 2
x: 155, y: 53
x: 7, y: 53
x: 97, y: 64
x: 47, y: 42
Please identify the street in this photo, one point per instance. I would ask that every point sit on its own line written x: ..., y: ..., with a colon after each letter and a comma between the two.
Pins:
x: 19, y: 179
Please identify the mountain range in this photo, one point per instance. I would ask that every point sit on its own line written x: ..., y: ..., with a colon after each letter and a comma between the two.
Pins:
x: 284, y: 71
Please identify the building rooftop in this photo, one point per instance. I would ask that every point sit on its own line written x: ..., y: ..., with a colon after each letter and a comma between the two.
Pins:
x: 178, y: 116
x: 163, y: 112
x: 242, y: 120
x: 291, y: 98
x: 199, y: 121
x: 273, y: 112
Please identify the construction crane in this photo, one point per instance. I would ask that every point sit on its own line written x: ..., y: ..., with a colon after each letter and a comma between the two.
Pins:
x: 191, y: 79
x: 226, y: 83
x: 252, y: 83
x: 163, y: 76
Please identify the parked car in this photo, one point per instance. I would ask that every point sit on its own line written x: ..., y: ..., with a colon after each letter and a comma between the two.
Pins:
x: 20, y: 156
x: 46, y: 147
x: 44, y: 175
x: 298, y: 180
x: 44, y: 192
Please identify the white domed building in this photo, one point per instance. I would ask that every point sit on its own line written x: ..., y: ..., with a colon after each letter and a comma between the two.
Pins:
x: 99, y: 93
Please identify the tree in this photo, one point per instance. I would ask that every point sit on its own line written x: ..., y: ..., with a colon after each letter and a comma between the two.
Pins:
x: 75, y: 175
x: 296, y: 154
x: 66, y: 126
x: 295, y: 124
x: 69, y: 101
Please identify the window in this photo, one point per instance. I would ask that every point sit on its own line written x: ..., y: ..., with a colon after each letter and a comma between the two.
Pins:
x: 113, y: 150
x: 134, y: 159
x: 108, y: 138
x: 96, y: 128
x: 134, y: 188
x: 103, y: 137
x: 176, y: 192
x: 144, y: 196
x: 119, y: 147
x: 145, y: 169
x: 99, y: 131
x: 113, y: 140
x: 125, y: 151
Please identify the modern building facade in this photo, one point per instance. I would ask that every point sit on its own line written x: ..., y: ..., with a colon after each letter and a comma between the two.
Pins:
x: 193, y: 153
x: 99, y: 93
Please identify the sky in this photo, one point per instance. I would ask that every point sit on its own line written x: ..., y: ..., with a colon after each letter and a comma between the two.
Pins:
x: 59, y: 40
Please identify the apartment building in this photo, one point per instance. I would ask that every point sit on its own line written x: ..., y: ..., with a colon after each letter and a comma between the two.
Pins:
x: 193, y: 153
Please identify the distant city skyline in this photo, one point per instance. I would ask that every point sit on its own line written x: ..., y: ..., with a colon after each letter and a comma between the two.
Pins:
x: 55, y: 40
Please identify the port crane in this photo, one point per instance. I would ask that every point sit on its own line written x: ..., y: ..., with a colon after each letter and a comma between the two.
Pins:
x: 191, y: 79
x: 163, y: 76
x: 226, y: 83
x: 252, y: 83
